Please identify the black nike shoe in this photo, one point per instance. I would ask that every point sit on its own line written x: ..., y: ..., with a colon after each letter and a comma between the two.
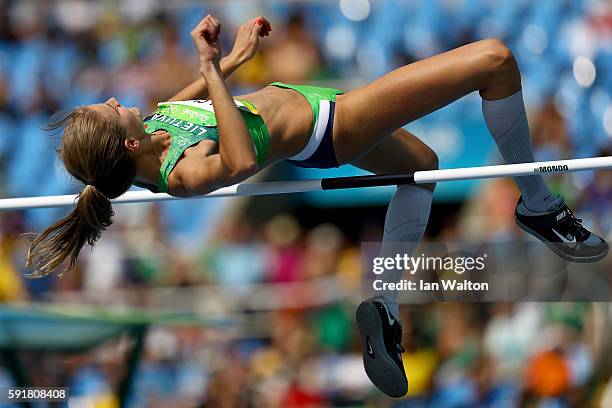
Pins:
x: 381, y: 337
x: 562, y: 232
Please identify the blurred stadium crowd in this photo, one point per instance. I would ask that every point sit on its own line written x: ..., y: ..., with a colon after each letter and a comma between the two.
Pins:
x: 298, y: 346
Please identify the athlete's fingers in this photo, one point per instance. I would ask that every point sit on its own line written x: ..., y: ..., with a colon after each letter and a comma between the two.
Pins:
x: 261, y: 27
x: 197, y: 28
x: 257, y: 26
x: 252, y: 21
x: 206, y: 21
x: 211, y: 33
x: 210, y: 28
x: 265, y: 27
x: 214, y: 22
x: 248, y: 26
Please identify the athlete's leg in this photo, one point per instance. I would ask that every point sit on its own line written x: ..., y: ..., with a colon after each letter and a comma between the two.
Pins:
x: 408, y: 211
x: 379, y: 108
x: 412, y: 91
x: 402, y: 96
x: 405, y: 223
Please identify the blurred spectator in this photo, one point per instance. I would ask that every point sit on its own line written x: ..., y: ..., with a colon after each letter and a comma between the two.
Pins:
x: 282, y: 234
x: 293, y: 55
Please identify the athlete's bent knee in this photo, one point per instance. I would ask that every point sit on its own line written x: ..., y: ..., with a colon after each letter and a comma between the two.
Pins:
x: 501, y: 72
x: 497, y: 55
x: 434, y: 161
x: 430, y: 162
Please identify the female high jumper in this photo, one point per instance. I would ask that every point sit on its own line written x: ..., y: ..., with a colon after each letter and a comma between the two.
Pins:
x: 191, y: 146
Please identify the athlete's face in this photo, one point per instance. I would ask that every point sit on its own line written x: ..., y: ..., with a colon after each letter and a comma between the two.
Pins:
x: 129, y: 118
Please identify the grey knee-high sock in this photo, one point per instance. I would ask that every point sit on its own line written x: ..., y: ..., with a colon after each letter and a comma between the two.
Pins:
x: 405, y: 224
x: 507, y: 122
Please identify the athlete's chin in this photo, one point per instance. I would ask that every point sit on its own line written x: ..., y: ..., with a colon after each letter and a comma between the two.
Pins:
x: 136, y: 112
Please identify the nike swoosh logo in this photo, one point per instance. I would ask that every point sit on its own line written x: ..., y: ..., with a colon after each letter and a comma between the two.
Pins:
x: 391, y: 319
x: 369, y: 349
x: 564, y: 239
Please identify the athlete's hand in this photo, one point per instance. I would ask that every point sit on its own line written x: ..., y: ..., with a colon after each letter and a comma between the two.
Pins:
x: 247, y: 40
x: 205, y: 36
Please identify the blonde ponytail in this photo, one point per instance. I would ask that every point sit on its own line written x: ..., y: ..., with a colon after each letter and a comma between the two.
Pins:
x: 64, y: 239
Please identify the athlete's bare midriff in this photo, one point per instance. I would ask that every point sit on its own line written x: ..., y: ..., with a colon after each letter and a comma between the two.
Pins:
x: 288, y: 117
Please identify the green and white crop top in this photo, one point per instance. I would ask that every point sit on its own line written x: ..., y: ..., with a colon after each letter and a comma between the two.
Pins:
x: 190, y: 122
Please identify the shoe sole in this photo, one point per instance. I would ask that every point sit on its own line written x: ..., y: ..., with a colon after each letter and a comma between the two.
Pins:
x: 380, y: 369
x: 558, y: 251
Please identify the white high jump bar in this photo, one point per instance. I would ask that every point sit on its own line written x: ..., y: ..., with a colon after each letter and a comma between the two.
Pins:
x: 335, y: 183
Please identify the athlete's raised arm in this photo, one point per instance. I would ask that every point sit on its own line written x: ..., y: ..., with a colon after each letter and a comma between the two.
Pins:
x: 245, y: 48
x: 236, y: 159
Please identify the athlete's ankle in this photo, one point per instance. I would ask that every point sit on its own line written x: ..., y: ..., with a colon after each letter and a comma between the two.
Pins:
x: 545, y: 204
